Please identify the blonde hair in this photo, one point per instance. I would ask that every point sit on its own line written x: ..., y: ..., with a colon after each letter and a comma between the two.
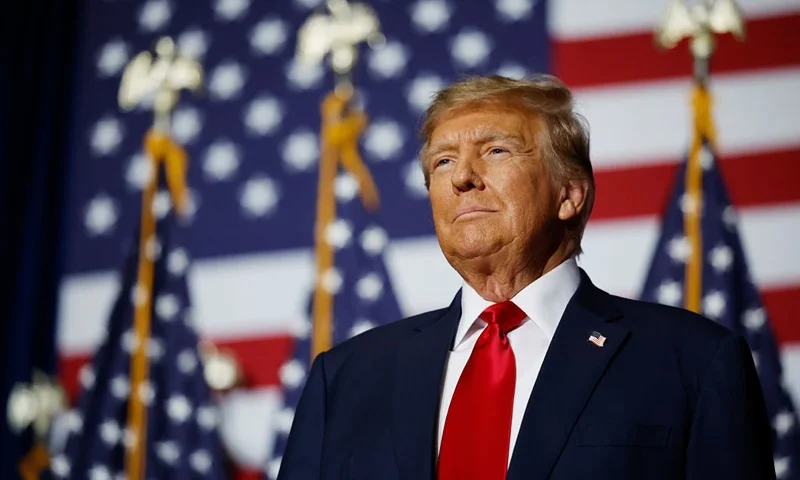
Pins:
x: 566, y: 151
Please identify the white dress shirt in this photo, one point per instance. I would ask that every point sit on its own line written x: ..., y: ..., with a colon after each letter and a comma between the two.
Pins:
x: 544, y: 302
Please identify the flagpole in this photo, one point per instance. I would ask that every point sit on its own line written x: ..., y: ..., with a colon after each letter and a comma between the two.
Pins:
x: 341, y: 127
x: 162, y: 76
x: 700, y: 23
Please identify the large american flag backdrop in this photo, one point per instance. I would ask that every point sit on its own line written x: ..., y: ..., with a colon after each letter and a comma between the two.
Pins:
x: 253, y: 142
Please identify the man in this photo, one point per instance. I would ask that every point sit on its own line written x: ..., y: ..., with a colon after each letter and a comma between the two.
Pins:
x: 532, y: 372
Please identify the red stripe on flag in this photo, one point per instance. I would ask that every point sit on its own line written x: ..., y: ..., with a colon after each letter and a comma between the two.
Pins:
x: 755, y: 179
x: 770, y: 42
x: 782, y: 305
x: 259, y: 357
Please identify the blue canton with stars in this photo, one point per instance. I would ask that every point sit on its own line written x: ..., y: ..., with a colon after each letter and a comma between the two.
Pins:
x: 182, y: 421
x: 252, y: 135
x: 728, y: 296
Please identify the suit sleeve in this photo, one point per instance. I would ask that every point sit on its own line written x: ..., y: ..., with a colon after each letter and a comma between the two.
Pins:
x: 731, y: 436
x: 303, y: 452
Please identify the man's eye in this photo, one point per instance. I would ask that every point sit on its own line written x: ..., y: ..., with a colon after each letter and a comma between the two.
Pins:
x: 441, y: 161
x: 497, y: 150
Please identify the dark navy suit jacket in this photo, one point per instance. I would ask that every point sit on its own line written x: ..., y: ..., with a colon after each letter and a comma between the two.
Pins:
x: 671, y: 395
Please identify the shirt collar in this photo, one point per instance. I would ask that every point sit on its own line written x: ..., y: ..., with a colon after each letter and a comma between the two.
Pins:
x: 543, y: 301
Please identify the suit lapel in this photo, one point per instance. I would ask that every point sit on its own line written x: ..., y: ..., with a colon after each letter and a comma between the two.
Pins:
x: 571, y: 369
x: 419, y: 376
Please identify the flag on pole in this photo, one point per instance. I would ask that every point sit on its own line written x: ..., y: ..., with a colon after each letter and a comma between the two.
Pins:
x: 700, y: 264
x: 177, y: 430
x: 353, y: 292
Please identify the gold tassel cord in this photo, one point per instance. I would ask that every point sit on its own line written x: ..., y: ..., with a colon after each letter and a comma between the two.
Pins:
x: 160, y: 148
x: 693, y: 206
x: 341, y: 130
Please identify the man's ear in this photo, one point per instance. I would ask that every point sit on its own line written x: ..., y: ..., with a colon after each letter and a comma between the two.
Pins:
x: 573, y: 199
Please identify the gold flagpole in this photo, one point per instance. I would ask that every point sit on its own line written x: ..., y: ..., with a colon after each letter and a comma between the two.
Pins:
x: 162, y: 77
x: 699, y: 23
x: 336, y: 34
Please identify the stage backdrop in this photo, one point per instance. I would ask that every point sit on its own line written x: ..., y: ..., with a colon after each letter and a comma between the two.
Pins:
x: 253, y: 144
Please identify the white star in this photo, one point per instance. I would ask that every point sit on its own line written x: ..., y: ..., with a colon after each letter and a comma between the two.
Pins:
x: 227, y: 80
x: 389, y: 60
x: 178, y: 262
x: 691, y: 203
x: 338, y: 233
x: 383, y: 139
x: 152, y: 248
x: 714, y: 304
x: 292, y: 373
x: 221, y: 160
x: 228, y: 10
x: 187, y: 361
x: 283, y: 422
x: 300, y: 330
x: 430, y: 15
x: 332, y: 280
x: 60, y: 466
x: 721, y: 258
x: 87, y: 377
x: 168, y: 452
x: 110, y: 432
x: 706, y: 159
x: 193, y: 43
x: 470, y: 48
x: 346, y: 187
x: 783, y: 423
x: 73, y: 421
x: 512, y: 70
x: 754, y: 318
x: 129, y: 436
x: 421, y: 90
x: 259, y: 196
x: 186, y: 124
x: 129, y: 341
x: 374, y: 240
x: 304, y: 75
x: 369, y: 287
x: 139, y: 171
x: 106, y: 136
x: 162, y: 204
x: 782, y: 466
x: 154, y: 15
x: 154, y: 349
x: 307, y: 4
x: 192, y: 204
x: 139, y: 294
x: 669, y: 293
x: 99, y: 472
x: 207, y: 418
x: 167, y: 306
x: 514, y: 10
x: 112, y: 58
x: 120, y: 387
x: 269, y: 36
x: 263, y: 115
x: 729, y: 217
x: 300, y: 150
x: 178, y: 408
x: 101, y: 215
x: 146, y: 392
x: 200, y: 461
x: 679, y: 249
x: 415, y: 180
x: 360, y: 326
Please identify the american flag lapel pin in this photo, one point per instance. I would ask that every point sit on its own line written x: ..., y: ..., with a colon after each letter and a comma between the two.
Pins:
x: 597, y: 338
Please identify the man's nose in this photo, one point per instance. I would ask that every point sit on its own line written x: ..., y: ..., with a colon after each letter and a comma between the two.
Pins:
x: 466, y: 175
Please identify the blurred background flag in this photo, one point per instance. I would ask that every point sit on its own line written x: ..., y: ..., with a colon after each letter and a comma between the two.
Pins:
x: 699, y: 263
x: 352, y: 291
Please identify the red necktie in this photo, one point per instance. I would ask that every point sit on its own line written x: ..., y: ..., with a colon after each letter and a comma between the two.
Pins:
x: 477, y: 431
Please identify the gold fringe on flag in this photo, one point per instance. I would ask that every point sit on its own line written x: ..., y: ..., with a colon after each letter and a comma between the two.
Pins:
x: 341, y: 130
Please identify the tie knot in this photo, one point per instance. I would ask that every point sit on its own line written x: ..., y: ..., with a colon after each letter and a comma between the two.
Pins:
x: 506, y: 315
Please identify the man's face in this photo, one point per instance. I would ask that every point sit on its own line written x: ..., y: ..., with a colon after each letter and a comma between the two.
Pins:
x: 490, y: 190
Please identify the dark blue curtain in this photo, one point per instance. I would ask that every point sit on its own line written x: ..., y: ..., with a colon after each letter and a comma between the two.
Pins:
x: 38, y: 40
